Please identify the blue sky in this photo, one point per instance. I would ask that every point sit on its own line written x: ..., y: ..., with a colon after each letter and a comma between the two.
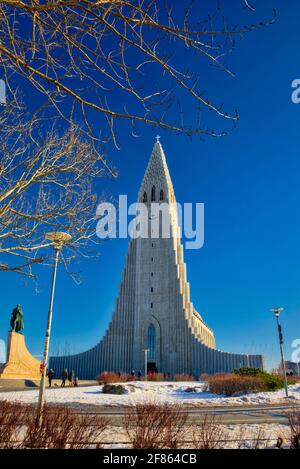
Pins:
x: 249, y: 183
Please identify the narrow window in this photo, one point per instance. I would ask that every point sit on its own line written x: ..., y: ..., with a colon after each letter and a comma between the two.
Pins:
x: 153, y: 194
x: 161, y: 195
x: 151, y: 305
x: 145, y: 197
x: 151, y: 274
x: 151, y: 343
x: 151, y: 289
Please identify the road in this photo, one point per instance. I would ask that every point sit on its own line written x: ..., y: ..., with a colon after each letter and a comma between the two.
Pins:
x: 229, y: 415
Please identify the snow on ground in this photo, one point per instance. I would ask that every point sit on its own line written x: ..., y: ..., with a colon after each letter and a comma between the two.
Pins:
x: 238, y: 436
x: 140, y: 391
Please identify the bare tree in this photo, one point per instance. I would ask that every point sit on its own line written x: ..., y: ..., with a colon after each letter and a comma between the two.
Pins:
x: 84, y: 58
x: 88, y: 56
x: 46, y: 184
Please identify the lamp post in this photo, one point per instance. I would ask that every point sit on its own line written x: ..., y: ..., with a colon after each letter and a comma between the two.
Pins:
x: 59, y: 240
x: 277, y: 312
x: 146, y: 350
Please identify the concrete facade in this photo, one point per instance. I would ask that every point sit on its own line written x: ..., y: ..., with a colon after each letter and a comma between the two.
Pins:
x: 154, y: 310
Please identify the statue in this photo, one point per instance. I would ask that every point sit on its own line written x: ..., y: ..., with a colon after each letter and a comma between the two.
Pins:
x: 20, y: 364
x: 17, y: 319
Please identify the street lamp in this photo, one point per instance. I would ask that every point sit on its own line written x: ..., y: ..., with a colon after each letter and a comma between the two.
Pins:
x: 59, y: 239
x: 277, y: 312
x: 146, y: 350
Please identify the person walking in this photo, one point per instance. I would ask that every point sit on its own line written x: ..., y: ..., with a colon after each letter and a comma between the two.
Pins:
x: 71, y: 378
x: 64, y: 377
x: 50, y: 376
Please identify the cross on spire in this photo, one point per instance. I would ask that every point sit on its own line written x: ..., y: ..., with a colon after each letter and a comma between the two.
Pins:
x: 157, y: 138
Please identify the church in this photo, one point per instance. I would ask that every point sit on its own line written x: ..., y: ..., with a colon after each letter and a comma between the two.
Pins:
x: 154, y: 311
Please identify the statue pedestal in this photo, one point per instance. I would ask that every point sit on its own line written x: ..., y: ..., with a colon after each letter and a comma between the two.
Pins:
x: 20, y: 363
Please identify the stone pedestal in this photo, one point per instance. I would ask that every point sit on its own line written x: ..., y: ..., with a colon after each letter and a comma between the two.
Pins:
x: 20, y: 363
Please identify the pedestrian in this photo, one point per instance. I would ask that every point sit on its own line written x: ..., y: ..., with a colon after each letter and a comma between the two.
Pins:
x: 139, y: 374
x: 50, y: 375
x: 71, y: 378
x: 76, y: 381
x: 133, y: 373
x: 64, y: 377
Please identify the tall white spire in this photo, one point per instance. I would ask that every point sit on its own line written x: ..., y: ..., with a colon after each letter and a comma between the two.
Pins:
x: 157, y: 175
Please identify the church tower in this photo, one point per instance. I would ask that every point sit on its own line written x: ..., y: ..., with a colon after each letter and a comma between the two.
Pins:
x: 153, y: 310
x: 164, y: 314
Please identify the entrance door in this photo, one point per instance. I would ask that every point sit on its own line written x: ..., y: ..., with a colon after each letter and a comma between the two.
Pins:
x: 151, y: 367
